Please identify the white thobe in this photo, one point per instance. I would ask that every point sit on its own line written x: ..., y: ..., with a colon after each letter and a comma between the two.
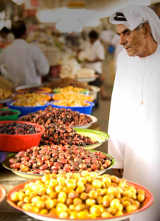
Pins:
x: 134, y: 124
x: 24, y: 62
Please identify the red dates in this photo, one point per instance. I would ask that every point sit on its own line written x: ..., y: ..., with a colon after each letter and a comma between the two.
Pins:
x: 56, y: 159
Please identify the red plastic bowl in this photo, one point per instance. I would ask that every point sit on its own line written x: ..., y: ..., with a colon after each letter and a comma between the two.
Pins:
x: 19, y: 142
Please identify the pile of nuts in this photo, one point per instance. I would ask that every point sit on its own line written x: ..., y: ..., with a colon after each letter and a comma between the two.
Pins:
x: 57, y: 116
x: 61, y: 134
x: 57, y: 159
x: 79, y: 196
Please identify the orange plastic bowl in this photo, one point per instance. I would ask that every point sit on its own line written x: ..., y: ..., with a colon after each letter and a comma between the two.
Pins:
x: 19, y: 142
x: 146, y: 204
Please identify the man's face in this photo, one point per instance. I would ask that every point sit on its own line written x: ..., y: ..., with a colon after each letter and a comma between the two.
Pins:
x: 133, y: 41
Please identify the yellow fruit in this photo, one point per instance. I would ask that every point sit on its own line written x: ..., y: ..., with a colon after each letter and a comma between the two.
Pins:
x: 95, y: 210
x: 90, y: 202
x: 62, y: 197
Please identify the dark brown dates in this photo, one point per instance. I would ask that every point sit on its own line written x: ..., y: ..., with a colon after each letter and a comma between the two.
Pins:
x: 6, y: 113
x: 58, y: 116
x: 17, y: 128
x: 61, y: 134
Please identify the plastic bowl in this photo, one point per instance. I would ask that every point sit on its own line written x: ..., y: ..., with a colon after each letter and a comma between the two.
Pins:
x: 26, y: 109
x: 81, y: 109
x: 19, y: 142
x: 13, y: 116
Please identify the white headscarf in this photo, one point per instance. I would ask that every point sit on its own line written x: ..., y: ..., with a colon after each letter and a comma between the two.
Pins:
x: 136, y: 15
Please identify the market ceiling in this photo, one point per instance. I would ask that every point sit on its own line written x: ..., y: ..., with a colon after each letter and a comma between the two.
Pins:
x: 73, y: 15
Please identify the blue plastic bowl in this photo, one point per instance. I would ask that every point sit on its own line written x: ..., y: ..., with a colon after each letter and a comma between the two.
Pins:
x: 28, y: 109
x: 83, y: 109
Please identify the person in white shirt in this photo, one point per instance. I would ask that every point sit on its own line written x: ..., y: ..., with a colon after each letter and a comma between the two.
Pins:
x: 6, y: 36
x: 93, y: 56
x: 24, y: 63
x: 134, y: 122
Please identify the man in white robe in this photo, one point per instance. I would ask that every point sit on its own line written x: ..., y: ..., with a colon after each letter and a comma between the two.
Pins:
x: 134, y: 123
x: 25, y: 63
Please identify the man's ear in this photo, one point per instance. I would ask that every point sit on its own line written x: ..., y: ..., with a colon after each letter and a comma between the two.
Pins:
x: 146, y: 29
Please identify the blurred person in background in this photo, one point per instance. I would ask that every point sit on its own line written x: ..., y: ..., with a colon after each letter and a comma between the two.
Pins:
x: 24, y: 63
x: 4, y: 34
x: 93, y: 55
x: 134, y: 121
x: 6, y: 37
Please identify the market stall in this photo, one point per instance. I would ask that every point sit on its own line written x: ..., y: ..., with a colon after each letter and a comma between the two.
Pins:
x: 54, y: 163
x: 59, y: 141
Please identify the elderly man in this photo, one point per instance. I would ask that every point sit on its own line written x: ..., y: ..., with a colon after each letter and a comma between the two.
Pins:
x: 134, y: 124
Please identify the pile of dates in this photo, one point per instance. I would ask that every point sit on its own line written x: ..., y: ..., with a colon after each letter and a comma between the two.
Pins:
x: 17, y: 128
x: 56, y: 159
x: 58, y: 116
x: 61, y: 134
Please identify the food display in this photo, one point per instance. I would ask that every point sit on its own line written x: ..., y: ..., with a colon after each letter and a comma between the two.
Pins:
x: 62, y: 135
x: 72, y: 99
x: 85, y: 74
x: 5, y: 93
x: 71, y: 103
x: 46, y: 135
x: 58, y: 116
x: 17, y: 128
x: 32, y: 89
x: 82, y: 109
x: 70, y: 89
x: 58, y: 159
x: 6, y: 113
x: 9, y: 114
x: 31, y: 99
x: 18, y: 135
x: 65, y: 82
x: 79, y: 196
